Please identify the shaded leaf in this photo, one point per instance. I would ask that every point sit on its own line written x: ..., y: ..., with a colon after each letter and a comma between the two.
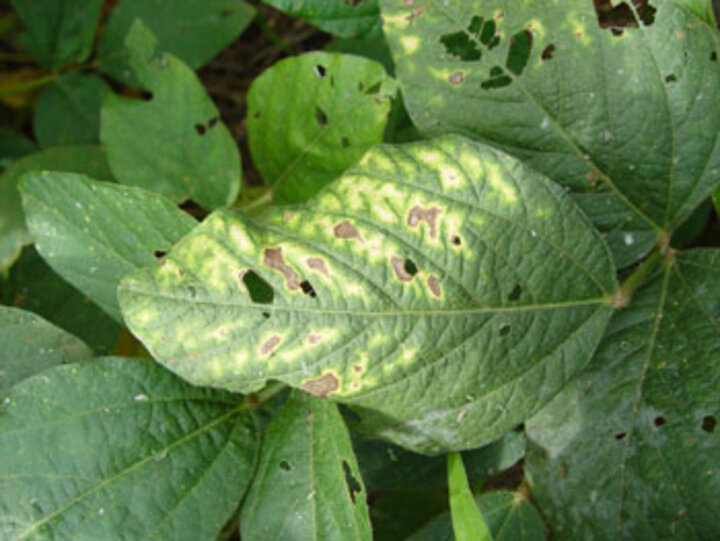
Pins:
x: 58, y: 31
x: 372, y: 46
x: 95, y: 233
x: 635, y: 432
x: 397, y: 514
x: 174, y: 143
x: 13, y: 145
x: 192, y: 31
x: 308, y: 484
x: 68, y: 112
x: 120, y: 448
x: 467, y: 520
x: 29, y: 344
x: 343, y: 18
x: 338, y: 111
x: 473, y: 287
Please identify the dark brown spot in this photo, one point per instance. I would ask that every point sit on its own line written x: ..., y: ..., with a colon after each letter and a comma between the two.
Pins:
x: 358, y: 368
x: 434, y: 285
x: 159, y: 253
x: 419, y: 214
x: 321, y: 386
x: 318, y: 264
x: 398, y: 264
x: 708, y: 424
x: 456, y: 240
x: 456, y: 78
x: 313, y: 338
x: 308, y: 289
x: 346, y: 230
x: 547, y: 52
x: 659, y: 421
x: 270, y: 344
x: 273, y: 258
x: 593, y: 177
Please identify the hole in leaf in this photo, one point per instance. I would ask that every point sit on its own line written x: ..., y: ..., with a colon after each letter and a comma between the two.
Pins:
x: 374, y: 89
x: 321, y: 116
x: 515, y: 293
x: 497, y: 79
x: 548, y: 52
x: 308, y: 289
x: 504, y: 329
x: 260, y: 291
x: 285, y: 465
x: 410, y: 267
x: 200, y: 129
x: 353, y: 486
x: 320, y: 70
x: 519, y: 53
x: 671, y: 78
x: 266, y: 315
x: 159, y: 253
x: 713, y: 56
x: 345, y: 142
x: 456, y: 240
x: 461, y: 46
x: 659, y: 421
x: 708, y: 424
x: 622, y: 15
x: 620, y: 435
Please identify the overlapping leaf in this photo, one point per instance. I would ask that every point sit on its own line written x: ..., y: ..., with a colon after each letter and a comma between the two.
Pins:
x: 345, y: 19
x: 441, y: 288
x: 636, y: 434
x: 339, y: 109
x: 94, y: 233
x: 120, y: 448
x: 307, y: 485
x: 623, y: 102
x: 174, y: 143
x: 467, y: 520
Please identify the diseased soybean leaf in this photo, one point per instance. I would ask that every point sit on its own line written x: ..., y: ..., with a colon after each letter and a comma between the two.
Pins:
x: 58, y: 31
x: 29, y: 344
x: 35, y: 287
x: 339, y: 110
x: 94, y: 233
x: 120, y: 448
x: 633, y: 109
x: 13, y: 233
x: 13, y: 145
x: 68, y: 112
x: 510, y: 517
x: 344, y: 19
x: 635, y: 432
x: 441, y: 288
x: 190, y: 30
x: 388, y: 467
x: 307, y: 485
x: 174, y: 143
x: 467, y: 521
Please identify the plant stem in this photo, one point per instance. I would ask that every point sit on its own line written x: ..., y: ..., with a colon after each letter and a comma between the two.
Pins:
x: 29, y: 85
x: 636, y: 278
x: 264, y: 199
x: 267, y: 393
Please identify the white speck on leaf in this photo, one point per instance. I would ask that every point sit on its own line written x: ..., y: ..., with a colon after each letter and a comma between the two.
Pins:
x: 141, y: 398
x: 545, y: 123
x: 629, y: 239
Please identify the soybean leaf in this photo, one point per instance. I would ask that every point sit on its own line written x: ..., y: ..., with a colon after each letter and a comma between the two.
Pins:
x: 58, y: 31
x: 29, y: 344
x: 441, y: 288
x: 13, y: 233
x: 622, y: 106
x: 372, y: 46
x: 467, y: 520
x: 509, y: 516
x: 13, y: 145
x: 716, y: 199
x: 339, y: 110
x: 94, y: 233
x: 388, y: 467
x: 192, y: 154
x: 635, y: 432
x: 192, y: 31
x: 702, y: 8
x: 344, y: 19
x: 33, y: 286
x: 120, y: 448
x: 397, y: 514
x: 308, y: 484
x: 68, y: 112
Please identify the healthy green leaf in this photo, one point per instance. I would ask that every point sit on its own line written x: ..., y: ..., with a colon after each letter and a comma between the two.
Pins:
x: 342, y: 18
x: 308, y: 484
x: 467, y: 520
x: 174, y: 143
x: 58, y: 31
x: 13, y: 233
x: 628, y: 112
x: 68, y: 112
x: 13, y: 146
x: 95, y: 233
x: 629, y: 449
x: 190, y: 30
x: 33, y: 286
x: 338, y: 110
x: 509, y: 516
x: 29, y: 344
x: 442, y: 288
x: 120, y: 448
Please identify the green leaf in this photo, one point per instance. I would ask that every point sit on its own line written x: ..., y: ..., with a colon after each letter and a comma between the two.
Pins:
x: 68, y: 112
x: 174, y: 143
x: 120, y: 448
x: 13, y: 233
x: 33, y: 286
x: 344, y: 19
x: 702, y: 8
x: 397, y: 514
x: 628, y: 113
x: 509, y: 516
x: 58, y: 31
x: 387, y: 467
x: 372, y: 46
x: 716, y: 199
x: 29, y: 344
x: 308, y: 484
x: 635, y: 433
x: 442, y: 288
x: 95, y: 233
x: 467, y: 520
x: 13, y: 145
x: 339, y: 110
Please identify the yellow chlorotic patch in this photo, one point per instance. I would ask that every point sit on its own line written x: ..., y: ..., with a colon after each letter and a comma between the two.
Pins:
x: 240, y: 239
x: 451, y: 178
x: 537, y: 28
x: 496, y: 180
x: 410, y: 43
